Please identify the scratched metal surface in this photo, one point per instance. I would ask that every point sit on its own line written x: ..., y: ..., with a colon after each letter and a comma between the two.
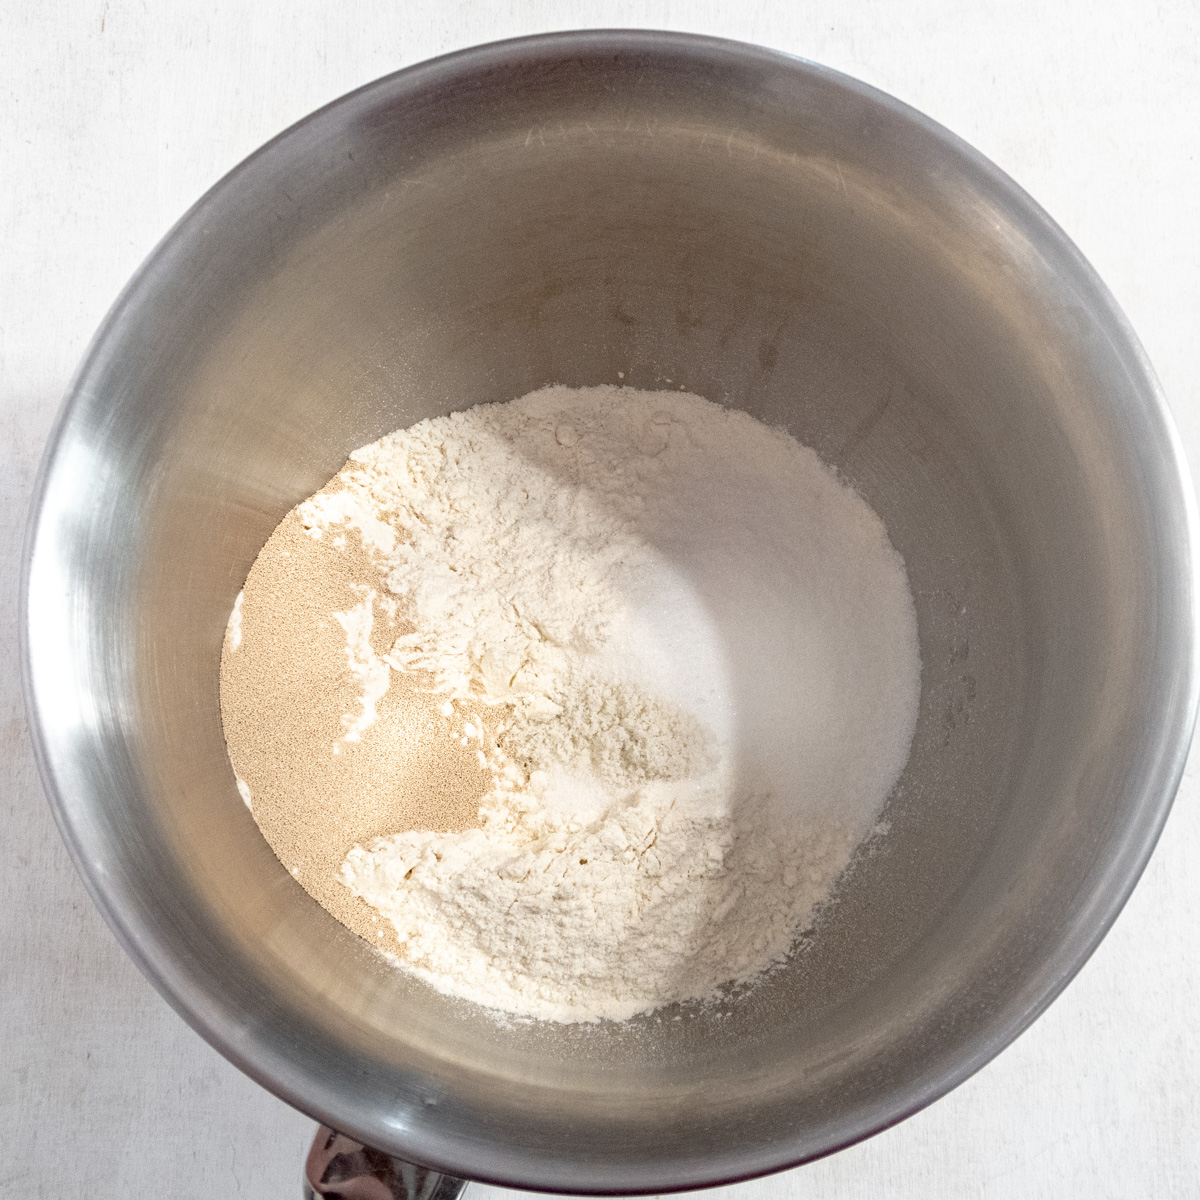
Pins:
x: 117, y: 115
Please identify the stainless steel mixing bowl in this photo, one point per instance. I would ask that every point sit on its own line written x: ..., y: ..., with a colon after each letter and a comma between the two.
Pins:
x: 690, y: 213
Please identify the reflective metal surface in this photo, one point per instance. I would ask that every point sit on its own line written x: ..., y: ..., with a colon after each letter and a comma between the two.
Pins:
x: 672, y: 211
x: 339, y: 1166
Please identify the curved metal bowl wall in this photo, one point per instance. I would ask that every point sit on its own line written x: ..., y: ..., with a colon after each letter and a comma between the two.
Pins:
x: 690, y: 213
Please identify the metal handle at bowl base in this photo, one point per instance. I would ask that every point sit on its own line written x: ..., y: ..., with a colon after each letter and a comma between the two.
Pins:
x: 338, y: 1166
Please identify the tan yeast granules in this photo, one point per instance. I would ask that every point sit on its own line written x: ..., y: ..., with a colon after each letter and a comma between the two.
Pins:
x: 285, y: 690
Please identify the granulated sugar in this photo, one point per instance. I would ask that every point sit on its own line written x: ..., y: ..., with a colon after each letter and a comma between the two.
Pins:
x: 591, y: 696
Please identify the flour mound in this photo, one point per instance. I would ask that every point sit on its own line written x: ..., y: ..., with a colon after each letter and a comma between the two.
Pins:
x: 686, y: 653
x: 572, y: 921
x: 617, y: 731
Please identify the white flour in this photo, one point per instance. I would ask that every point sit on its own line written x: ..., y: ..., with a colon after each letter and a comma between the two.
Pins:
x: 696, y: 654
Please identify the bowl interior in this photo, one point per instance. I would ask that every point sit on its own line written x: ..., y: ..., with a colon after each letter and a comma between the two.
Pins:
x: 667, y: 212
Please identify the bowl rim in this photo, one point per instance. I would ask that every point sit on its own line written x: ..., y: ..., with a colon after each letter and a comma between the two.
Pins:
x: 171, y: 977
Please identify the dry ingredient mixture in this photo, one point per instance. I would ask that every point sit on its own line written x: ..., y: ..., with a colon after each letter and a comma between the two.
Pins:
x: 576, y: 705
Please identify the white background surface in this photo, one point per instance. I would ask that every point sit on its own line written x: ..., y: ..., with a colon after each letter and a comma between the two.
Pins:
x: 115, y: 116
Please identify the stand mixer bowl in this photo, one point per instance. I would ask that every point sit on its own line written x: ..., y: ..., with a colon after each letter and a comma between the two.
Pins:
x: 665, y: 211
